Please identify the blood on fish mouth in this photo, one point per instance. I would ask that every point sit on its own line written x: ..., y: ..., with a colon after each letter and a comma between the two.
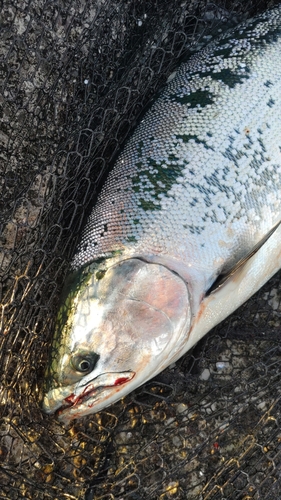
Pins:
x: 89, y: 390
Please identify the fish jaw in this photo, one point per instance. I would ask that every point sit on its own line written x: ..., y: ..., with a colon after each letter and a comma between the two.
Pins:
x: 70, y: 402
x: 128, y: 320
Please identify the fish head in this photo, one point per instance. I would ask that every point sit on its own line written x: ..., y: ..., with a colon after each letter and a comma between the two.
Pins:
x: 118, y: 326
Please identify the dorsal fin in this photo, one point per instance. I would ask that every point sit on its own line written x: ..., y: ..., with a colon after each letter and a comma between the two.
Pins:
x: 223, y: 277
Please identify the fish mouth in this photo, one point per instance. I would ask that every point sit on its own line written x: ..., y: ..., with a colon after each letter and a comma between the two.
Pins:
x: 91, y: 390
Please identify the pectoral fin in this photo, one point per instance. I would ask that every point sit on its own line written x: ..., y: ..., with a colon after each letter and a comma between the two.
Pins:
x: 248, y: 277
x: 223, y: 277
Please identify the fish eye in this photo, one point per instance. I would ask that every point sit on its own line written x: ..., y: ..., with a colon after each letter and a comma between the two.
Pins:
x: 84, y: 363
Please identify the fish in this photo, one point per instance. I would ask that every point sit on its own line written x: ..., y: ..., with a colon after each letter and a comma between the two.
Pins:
x: 186, y: 227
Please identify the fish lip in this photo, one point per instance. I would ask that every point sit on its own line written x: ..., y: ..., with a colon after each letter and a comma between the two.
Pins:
x: 93, y: 387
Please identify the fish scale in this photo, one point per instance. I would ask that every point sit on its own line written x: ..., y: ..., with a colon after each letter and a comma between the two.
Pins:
x: 185, y: 229
x: 203, y: 163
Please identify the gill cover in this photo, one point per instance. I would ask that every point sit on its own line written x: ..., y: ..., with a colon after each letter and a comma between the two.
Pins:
x: 117, y: 327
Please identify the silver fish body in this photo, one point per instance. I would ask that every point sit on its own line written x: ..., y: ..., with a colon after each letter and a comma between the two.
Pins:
x: 186, y: 227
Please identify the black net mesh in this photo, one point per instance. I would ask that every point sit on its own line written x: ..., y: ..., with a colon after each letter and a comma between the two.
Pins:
x: 75, y: 76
